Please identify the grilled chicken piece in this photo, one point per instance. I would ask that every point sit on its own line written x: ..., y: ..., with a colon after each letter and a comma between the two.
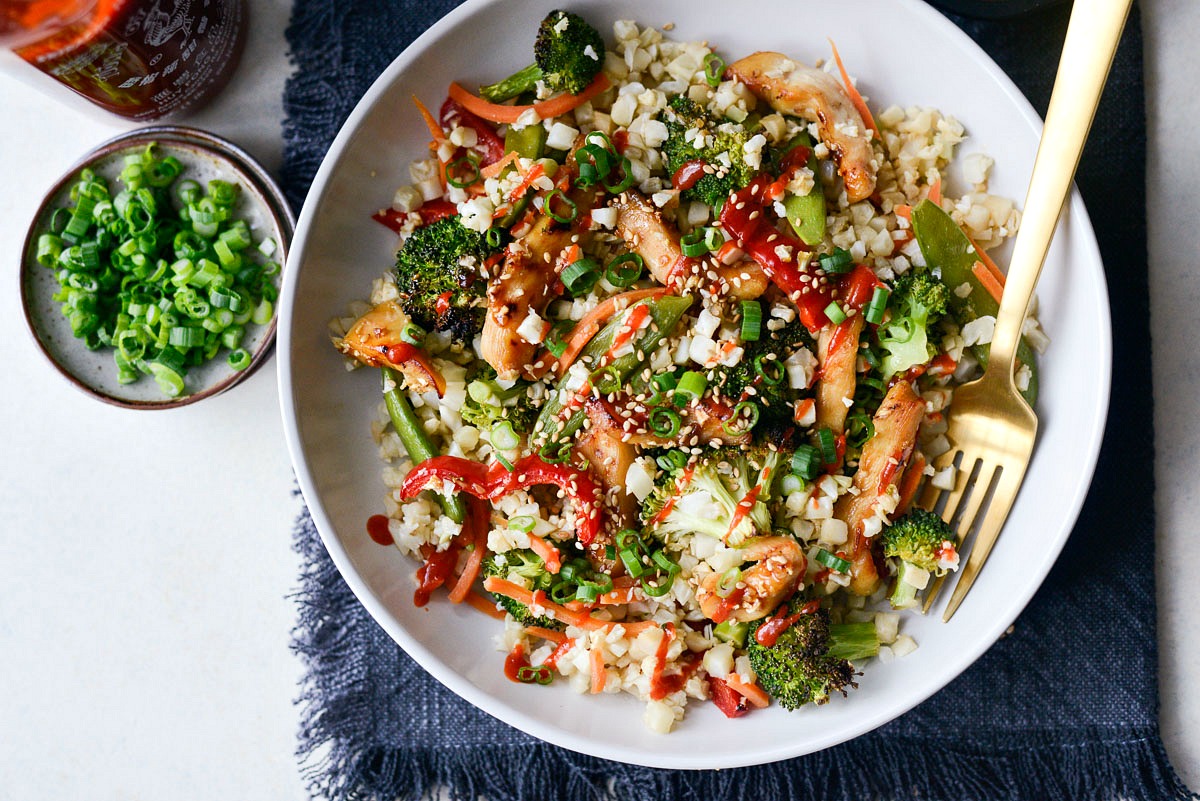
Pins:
x: 881, y: 466
x: 646, y: 233
x: 525, y: 283
x: 608, y: 457
x: 778, y: 569
x: 837, y: 377
x: 374, y: 340
x: 792, y: 88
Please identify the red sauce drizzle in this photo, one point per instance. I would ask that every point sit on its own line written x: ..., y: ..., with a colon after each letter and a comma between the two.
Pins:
x: 688, y: 174
x: 557, y: 654
x: 659, y: 688
x: 438, y: 567
x: 377, y: 530
x: 745, y: 505
x: 728, y: 605
x: 514, y: 662
x: 768, y: 633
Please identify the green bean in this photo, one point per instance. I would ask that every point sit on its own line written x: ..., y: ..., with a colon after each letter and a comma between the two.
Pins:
x: 416, y: 441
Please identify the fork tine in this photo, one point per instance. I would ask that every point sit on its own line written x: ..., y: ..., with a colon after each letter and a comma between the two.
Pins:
x: 989, y: 531
x: 979, y: 490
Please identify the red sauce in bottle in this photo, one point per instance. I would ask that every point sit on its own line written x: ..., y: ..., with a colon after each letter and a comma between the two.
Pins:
x: 140, y: 59
x: 377, y: 530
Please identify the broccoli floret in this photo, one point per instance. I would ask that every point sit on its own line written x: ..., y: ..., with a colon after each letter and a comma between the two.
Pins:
x: 917, y: 302
x: 568, y: 54
x: 487, y: 402
x: 922, y: 541
x: 723, y: 150
x: 438, y: 276
x: 772, y: 393
x: 715, y: 484
x: 524, y: 567
x: 811, y: 659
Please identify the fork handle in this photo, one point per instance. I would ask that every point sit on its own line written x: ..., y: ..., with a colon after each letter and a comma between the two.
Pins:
x: 1092, y: 36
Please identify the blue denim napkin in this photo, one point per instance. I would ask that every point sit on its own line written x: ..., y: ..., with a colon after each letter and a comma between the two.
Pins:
x: 1063, y: 708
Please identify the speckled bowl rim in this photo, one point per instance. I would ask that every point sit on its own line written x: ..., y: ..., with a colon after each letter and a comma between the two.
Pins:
x: 259, y: 182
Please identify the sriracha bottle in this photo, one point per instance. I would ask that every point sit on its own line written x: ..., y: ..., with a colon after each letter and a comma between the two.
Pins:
x: 140, y: 59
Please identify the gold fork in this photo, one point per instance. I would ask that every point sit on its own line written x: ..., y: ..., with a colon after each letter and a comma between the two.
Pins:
x: 991, y: 428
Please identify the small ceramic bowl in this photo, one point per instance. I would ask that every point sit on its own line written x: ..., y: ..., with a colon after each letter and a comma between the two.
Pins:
x: 205, y: 157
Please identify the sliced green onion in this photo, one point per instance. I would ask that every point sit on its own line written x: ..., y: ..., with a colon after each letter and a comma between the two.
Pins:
x: 580, y: 276
x: 728, y: 582
x: 548, y: 206
x: 746, y: 410
x: 664, y: 422
x: 600, y: 138
x: 625, y: 169
x: 664, y: 562
x: 828, y: 445
x: 494, y: 236
x: 504, y: 437
x: 239, y: 358
x: 471, y: 172
x: 790, y: 483
x: 770, y: 370
x: 714, y: 69
x: 412, y: 333
x: 806, y: 462
x: 691, y: 387
x: 624, y: 270
x: 877, y: 306
x: 834, y: 563
x: 694, y: 243
x: 505, y: 463
x: 535, y: 674
x: 751, y: 320
x: 588, y: 592
x: 834, y: 312
x: 595, y: 163
x: 672, y: 461
x: 839, y: 261
x: 524, y: 523
x: 633, y: 562
x: 657, y: 588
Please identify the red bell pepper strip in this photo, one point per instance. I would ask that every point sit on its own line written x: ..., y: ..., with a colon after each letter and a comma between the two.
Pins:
x: 733, y: 704
x: 745, y: 216
x: 488, y: 142
x: 495, y: 481
x: 430, y: 211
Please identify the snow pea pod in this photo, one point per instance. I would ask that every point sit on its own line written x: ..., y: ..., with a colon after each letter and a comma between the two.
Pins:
x: 665, y: 313
x: 948, y: 251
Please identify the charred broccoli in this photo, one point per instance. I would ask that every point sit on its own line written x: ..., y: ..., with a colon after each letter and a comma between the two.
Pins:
x: 487, y: 402
x: 924, y: 544
x: 568, y: 54
x: 811, y: 659
x: 917, y: 302
x: 527, y: 569
x: 713, y: 486
x: 762, y: 368
x: 719, y: 144
x: 438, y: 276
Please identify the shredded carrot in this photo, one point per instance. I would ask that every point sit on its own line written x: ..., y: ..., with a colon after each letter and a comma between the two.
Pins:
x: 909, y: 483
x: 751, y: 692
x: 624, y: 591
x: 580, y: 620
x: 993, y: 287
x: 435, y: 130
x: 550, y: 555
x: 855, y: 97
x: 547, y: 109
x: 592, y: 322
x: 904, y: 211
x: 987, y: 262
x: 488, y: 607
x: 935, y: 192
x: 556, y: 637
x: 535, y: 172
x: 599, y: 674
x: 478, y: 513
x: 495, y: 168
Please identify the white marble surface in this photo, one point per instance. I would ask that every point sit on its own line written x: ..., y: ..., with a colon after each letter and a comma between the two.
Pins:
x: 144, y: 618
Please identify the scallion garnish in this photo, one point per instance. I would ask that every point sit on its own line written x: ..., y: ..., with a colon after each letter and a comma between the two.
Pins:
x: 691, y: 387
x: 664, y: 422
x: 463, y: 172
x: 624, y: 270
x: 580, y: 276
x: 834, y: 563
x: 160, y: 272
x: 835, y: 313
x: 806, y: 462
x: 877, y: 306
x: 839, y: 261
x: 548, y: 206
x: 751, y: 320
x: 714, y: 69
x: 828, y: 445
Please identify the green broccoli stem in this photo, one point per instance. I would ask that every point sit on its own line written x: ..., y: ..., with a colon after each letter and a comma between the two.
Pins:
x: 904, y: 595
x: 518, y: 83
x: 416, y: 441
x: 853, y: 641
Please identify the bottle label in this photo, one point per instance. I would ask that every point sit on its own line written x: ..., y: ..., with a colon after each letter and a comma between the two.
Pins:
x: 145, y: 59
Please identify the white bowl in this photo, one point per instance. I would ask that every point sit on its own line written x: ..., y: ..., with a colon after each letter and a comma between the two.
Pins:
x: 902, y: 52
